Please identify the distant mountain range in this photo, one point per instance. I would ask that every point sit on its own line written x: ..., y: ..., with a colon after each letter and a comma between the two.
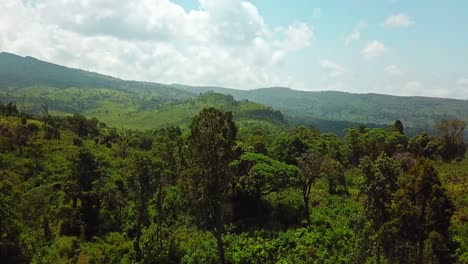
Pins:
x: 31, y: 81
x: 341, y: 106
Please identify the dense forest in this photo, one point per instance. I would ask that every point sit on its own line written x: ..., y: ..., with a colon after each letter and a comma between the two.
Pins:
x: 229, y: 190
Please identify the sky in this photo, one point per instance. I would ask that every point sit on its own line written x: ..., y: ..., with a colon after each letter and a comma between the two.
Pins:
x: 399, y: 47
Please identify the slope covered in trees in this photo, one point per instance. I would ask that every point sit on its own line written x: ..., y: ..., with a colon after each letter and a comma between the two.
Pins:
x: 132, y: 111
x: 310, y: 107
x: 20, y: 72
x: 31, y: 82
x: 73, y: 190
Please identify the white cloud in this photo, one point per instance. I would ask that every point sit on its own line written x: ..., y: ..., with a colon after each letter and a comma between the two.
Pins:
x: 398, y: 20
x: 463, y: 82
x: 222, y: 42
x: 393, y: 70
x: 355, y: 35
x: 373, y: 49
x: 331, y: 68
x: 296, y: 37
x: 316, y: 12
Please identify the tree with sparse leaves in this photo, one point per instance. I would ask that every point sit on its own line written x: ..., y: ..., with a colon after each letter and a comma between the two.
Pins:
x: 212, y: 142
x: 310, y: 168
x: 451, y: 133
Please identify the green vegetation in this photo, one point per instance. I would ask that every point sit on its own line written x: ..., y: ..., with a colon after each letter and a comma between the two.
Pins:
x: 128, y: 110
x: 333, y: 111
x: 20, y: 72
x: 32, y: 84
x: 141, y: 105
x: 74, y: 190
x: 95, y: 169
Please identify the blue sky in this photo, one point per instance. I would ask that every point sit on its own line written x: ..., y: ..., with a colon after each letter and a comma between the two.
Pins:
x: 391, y: 46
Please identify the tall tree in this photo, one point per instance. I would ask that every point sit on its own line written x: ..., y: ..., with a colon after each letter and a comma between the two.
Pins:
x: 310, y: 168
x: 143, y: 183
x: 212, y: 142
x: 333, y: 171
x: 355, y: 142
x: 422, y: 216
x: 451, y: 132
x: 379, y: 184
x: 22, y: 136
x: 85, y: 175
x: 399, y: 127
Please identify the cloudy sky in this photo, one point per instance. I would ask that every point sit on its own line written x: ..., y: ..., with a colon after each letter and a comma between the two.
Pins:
x: 417, y: 47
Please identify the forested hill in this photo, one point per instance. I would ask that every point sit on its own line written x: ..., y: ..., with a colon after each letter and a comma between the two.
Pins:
x: 130, y: 104
x: 123, y: 109
x: 19, y: 72
x: 32, y: 84
x: 419, y: 112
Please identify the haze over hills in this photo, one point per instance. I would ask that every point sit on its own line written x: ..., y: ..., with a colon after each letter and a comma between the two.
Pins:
x: 134, y: 104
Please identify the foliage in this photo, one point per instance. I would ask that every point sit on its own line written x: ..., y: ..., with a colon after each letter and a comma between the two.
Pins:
x: 144, y: 105
x: 423, y: 212
x: 73, y: 189
x: 261, y: 175
x: 334, y: 111
x: 451, y: 133
x: 212, y: 142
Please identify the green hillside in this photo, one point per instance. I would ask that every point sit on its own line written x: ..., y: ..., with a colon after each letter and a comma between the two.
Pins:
x: 19, y: 72
x: 305, y: 106
x: 32, y: 83
x: 124, y: 109
x: 141, y: 105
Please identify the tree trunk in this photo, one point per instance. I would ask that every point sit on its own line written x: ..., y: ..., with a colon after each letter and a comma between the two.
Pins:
x: 420, y: 257
x: 378, y: 253
x: 159, y: 216
x: 46, y: 228
x: 219, y: 242
x: 136, y: 244
x: 306, y: 208
x: 421, y: 237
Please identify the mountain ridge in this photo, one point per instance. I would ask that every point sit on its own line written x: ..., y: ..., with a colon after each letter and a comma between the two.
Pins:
x: 344, y: 106
x: 280, y: 88
x: 17, y: 71
x: 208, y: 87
